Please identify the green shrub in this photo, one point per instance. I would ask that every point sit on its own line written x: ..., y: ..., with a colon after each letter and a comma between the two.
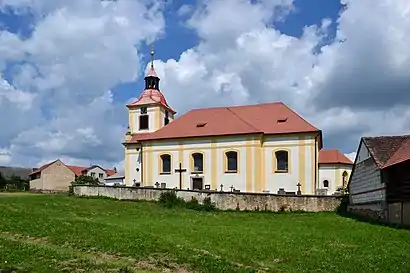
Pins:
x: 170, y: 199
x: 82, y: 180
x: 71, y: 190
x: 342, y: 208
x: 193, y: 204
x: 208, y: 205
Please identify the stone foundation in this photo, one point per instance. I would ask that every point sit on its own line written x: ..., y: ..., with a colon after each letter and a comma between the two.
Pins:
x: 374, y: 211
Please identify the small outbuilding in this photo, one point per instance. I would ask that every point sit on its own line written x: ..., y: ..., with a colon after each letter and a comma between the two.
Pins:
x: 379, y: 186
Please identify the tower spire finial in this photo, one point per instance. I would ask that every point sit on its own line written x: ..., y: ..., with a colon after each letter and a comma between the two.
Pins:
x: 151, y: 79
x: 152, y: 54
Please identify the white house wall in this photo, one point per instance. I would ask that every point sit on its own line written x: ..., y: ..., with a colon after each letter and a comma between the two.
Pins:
x: 363, y: 153
x: 365, y: 184
x: 114, y: 181
x: 97, y: 171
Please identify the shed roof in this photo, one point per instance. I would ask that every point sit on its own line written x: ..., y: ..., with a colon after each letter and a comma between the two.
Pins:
x: 388, y: 150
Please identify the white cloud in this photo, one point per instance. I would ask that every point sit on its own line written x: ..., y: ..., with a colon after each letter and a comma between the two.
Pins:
x: 353, y: 86
x: 351, y: 156
x: 184, y: 10
x: 61, y: 105
x: 5, y: 156
x: 59, y: 97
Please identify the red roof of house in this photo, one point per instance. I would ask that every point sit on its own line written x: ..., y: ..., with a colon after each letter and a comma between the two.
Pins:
x: 110, y: 172
x: 43, y: 167
x: 77, y: 170
x: 333, y: 157
x: 268, y: 118
x: 388, y: 150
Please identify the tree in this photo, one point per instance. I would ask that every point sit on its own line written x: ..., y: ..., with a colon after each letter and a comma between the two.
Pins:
x: 13, y: 183
x: 85, y: 180
x: 3, y: 181
x: 82, y: 180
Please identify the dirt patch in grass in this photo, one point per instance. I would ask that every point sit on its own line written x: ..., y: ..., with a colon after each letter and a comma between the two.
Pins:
x: 206, y: 252
x: 14, y: 194
x: 343, y: 245
x: 159, y: 263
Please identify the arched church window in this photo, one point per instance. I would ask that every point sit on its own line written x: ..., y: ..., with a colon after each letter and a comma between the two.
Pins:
x: 325, y: 183
x: 231, y: 161
x: 165, y: 163
x: 282, y: 161
x: 344, y: 178
x: 198, y: 162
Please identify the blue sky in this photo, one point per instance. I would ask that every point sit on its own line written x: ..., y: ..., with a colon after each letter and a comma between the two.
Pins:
x: 59, y: 59
x: 178, y: 37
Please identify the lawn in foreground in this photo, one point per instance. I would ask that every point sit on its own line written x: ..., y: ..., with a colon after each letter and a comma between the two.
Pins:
x: 41, y: 233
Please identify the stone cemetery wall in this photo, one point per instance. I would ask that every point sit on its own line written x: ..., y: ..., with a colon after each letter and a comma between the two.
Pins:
x: 222, y: 200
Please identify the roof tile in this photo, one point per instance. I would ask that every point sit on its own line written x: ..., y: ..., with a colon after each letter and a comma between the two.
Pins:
x: 333, y: 157
x: 248, y: 119
x: 402, y: 154
x: 383, y: 148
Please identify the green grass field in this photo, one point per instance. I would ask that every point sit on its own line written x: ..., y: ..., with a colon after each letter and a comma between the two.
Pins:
x: 40, y: 233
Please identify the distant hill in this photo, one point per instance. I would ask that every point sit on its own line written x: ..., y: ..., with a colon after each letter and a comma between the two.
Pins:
x: 8, y: 171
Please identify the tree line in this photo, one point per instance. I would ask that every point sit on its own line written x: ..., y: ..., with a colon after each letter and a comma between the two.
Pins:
x: 13, y: 183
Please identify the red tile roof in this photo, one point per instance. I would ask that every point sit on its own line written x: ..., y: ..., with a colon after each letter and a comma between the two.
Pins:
x: 110, y: 172
x: 388, y: 150
x: 151, y: 96
x: 333, y: 157
x: 43, y: 167
x: 268, y: 118
x: 77, y: 170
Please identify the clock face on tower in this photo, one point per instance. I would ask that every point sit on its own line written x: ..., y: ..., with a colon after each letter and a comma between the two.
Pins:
x: 143, y: 110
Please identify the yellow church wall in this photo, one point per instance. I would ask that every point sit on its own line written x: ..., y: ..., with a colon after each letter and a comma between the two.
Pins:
x: 156, y: 115
x: 256, y: 162
x: 132, y: 167
x: 213, y: 150
x: 301, y: 166
x: 333, y: 173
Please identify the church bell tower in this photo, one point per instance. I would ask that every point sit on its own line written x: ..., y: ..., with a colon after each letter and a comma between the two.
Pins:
x: 150, y: 112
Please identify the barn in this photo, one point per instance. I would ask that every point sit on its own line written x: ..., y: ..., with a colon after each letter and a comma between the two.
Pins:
x: 379, y: 186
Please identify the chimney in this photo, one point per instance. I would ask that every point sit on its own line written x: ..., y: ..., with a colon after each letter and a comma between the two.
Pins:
x: 115, y: 169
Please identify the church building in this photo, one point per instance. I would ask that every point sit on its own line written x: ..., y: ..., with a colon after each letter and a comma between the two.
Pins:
x: 263, y: 148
